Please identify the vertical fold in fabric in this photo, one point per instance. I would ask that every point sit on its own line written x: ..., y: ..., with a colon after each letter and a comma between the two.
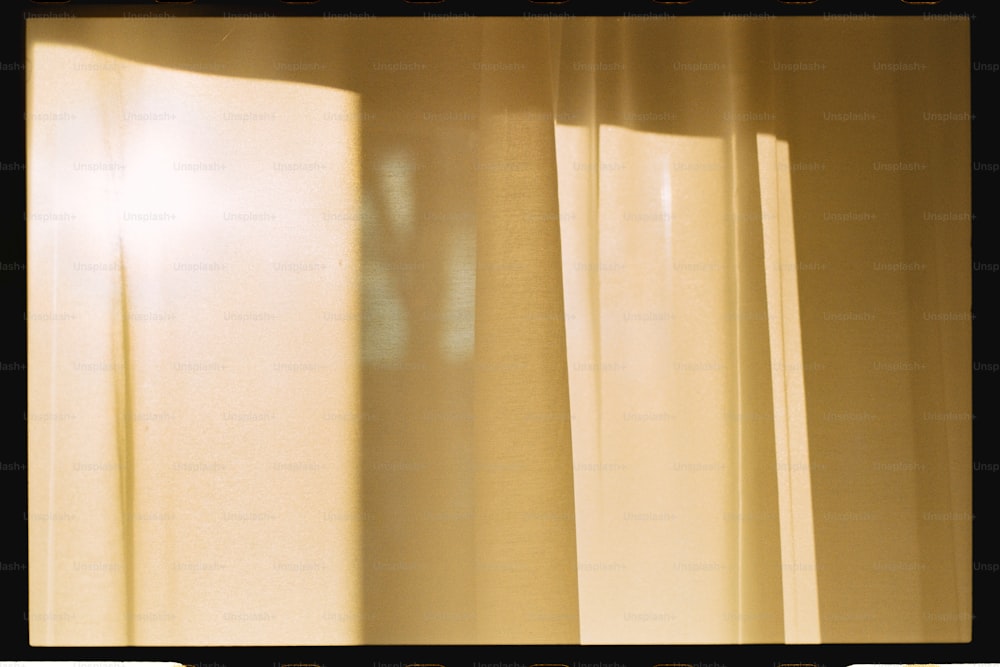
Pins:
x: 525, y: 538
x: 760, y: 611
x: 938, y: 326
x: 798, y: 553
x: 77, y: 459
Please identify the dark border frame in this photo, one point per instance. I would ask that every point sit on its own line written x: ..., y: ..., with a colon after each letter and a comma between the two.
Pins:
x: 985, y: 77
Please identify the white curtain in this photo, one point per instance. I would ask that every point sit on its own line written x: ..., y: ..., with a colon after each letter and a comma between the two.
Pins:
x: 349, y: 331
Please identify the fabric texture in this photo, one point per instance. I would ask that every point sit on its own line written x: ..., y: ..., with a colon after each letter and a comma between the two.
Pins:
x: 591, y: 330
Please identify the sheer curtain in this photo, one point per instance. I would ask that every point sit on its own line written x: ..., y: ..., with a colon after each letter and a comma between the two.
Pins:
x: 348, y: 331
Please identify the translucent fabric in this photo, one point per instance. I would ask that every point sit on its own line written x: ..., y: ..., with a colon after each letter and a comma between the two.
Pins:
x: 592, y: 330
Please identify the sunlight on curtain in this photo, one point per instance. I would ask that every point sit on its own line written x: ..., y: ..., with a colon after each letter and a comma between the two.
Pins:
x: 650, y: 337
x: 204, y: 338
x: 498, y: 331
x: 798, y: 549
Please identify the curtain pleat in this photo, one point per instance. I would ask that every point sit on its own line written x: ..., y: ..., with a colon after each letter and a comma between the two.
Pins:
x: 526, y: 586
x: 791, y: 437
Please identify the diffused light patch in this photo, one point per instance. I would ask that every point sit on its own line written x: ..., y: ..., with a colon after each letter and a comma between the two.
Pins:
x: 458, y: 330
x: 397, y: 191
x: 386, y: 328
x: 667, y: 206
x: 212, y: 421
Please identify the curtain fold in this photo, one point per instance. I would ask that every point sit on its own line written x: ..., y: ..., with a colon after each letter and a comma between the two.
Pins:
x: 526, y: 588
x: 498, y: 331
